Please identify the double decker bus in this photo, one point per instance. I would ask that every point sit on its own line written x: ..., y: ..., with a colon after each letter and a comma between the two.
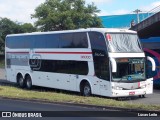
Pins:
x: 100, y: 61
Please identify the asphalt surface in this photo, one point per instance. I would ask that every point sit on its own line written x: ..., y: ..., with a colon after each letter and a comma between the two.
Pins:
x: 23, y: 106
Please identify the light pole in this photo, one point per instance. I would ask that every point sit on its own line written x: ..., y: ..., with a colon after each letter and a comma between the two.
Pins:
x: 137, y: 11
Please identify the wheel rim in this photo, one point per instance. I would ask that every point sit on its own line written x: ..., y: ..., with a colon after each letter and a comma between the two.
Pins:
x: 28, y: 83
x: 87, y: 90
x: 21, y: 82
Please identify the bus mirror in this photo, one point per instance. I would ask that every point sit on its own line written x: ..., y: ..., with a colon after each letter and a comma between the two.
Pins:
x: 114, y: 65
x: 152, y: 62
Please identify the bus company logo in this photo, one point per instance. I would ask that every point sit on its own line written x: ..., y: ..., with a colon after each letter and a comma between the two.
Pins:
x: 6, y: 114
x: 85, y: 57
x: 99, y: 54
x: 35, y: 62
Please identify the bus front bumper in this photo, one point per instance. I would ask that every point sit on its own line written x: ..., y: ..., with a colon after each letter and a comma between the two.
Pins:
x: 126, y: 93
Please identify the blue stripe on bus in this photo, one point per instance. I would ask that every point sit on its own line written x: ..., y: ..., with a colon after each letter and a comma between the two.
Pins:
x: 152, y: 39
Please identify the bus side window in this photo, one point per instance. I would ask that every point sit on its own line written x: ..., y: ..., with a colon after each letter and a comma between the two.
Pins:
x: 52, y: 40
x: 80, y: 40
x: 66, y: 40
x: 40, y: 41
x: 74, y: 40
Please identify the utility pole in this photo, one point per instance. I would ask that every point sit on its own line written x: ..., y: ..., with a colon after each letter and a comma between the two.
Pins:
x: 137, y: 11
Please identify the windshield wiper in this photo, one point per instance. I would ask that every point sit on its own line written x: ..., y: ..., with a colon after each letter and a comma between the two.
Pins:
x: 120, y: 79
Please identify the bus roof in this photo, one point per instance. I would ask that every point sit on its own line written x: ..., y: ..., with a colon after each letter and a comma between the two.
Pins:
x: 102, y: 30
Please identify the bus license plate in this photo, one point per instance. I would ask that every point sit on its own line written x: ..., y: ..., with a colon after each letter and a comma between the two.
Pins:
x: 131, y: 93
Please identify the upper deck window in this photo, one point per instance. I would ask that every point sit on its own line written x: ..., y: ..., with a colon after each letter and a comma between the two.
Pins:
x: 74, y: 40
x: 59, y: 40
x: 97, y: 41
x: 123, y: 42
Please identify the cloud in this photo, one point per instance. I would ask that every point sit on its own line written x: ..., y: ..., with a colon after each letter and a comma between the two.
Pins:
x: 103, y: 13
x: 19, y: 10
x: 116, y: 12
x: 98, y: 2
x: 101, y: 5
x: 151, y: 7
x: 120, y: 11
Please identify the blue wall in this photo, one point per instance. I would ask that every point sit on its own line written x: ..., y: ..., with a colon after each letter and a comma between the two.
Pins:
x: 121, y: 21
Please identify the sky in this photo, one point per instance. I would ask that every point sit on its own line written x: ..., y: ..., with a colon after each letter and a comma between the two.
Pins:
x: 21, y: 10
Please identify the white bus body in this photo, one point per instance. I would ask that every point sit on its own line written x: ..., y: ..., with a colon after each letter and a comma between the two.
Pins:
x: 91, y: 61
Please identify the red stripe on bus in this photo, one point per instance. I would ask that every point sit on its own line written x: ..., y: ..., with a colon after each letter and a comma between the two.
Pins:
x: 64, y: 52
x: 139, y: 84
x: 19, y: 52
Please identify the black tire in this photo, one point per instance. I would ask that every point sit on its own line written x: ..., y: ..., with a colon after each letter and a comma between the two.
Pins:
x: 86, y: 89
x: 143, y: 96
x: 28, y: 82
x: 20, y: 81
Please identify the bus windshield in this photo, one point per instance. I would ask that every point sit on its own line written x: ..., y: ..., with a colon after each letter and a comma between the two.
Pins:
x: 123, y: 42
x: 129, y: 70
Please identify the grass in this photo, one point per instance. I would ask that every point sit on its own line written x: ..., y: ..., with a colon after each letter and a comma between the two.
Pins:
x: 52, y: 96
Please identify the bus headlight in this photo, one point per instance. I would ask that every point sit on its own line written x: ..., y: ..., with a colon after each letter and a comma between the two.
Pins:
x: 117, y: 88
x: 144, y: 86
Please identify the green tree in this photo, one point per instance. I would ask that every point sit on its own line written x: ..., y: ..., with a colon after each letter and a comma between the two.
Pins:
x: 1, y: 45
x: 66, y: 14
x: 28, y: 27
x: 9, y: 27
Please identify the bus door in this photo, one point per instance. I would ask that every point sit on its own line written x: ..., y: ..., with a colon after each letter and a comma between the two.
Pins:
x: 103, y: 73
x: 104, y: 87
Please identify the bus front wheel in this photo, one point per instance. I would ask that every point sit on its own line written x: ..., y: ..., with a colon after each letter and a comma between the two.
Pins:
x: 142, y: 96
x: 28, y: 82
x: 86, y: 89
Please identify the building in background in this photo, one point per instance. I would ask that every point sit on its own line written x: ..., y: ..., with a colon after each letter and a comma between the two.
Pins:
x: 122, y: 21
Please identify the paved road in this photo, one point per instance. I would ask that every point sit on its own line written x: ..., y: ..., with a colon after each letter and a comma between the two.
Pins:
x: 19, y: 105
x: 150, y: 99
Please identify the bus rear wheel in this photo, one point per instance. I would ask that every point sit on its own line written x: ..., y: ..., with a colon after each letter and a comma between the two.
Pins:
x: 20, y: 81
x: 86, y: 89
x: 28, y: 82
